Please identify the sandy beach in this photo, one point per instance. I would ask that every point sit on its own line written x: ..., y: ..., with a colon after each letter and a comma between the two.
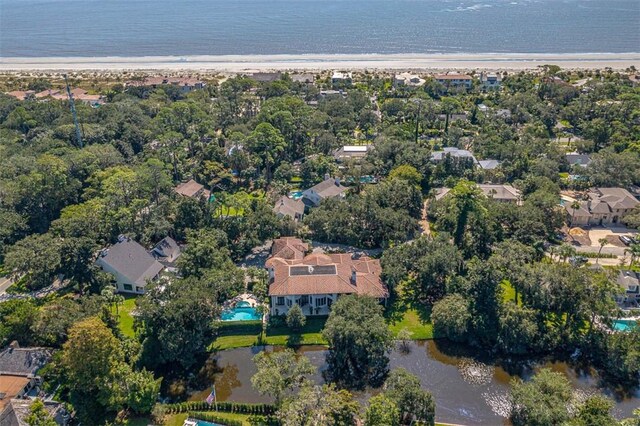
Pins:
x: 253, y: 63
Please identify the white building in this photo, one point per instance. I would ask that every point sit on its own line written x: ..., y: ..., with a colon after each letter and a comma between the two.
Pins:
x: 341, y: 77
x: 328, y: 188
x: 408, y: 79
x: 490, y: 80
x: 130, y: 264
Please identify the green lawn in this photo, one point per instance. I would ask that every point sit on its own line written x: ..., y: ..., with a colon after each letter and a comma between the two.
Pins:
x: 125, y: 319
x: 509, y: 293
x: 411, y: 320
x: 238, y: 337
x: 399, y: 316
x: 178, y: 419
x: 403, y: 313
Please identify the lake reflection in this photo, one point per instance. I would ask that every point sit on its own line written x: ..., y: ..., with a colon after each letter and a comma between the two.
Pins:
x: 468, y: 386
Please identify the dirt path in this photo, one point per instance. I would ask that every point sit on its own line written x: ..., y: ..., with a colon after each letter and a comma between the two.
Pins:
x: 424, y: 223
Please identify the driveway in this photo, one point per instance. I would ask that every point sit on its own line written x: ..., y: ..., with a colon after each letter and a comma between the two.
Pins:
x: 611, y: 233
x: 5, y: 283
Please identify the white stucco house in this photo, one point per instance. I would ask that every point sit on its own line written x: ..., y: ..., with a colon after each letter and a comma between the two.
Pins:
x: 130, y: 264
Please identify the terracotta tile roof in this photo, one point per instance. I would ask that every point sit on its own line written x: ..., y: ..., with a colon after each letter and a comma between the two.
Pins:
x: 320, y: 273
x: 48, y: 92
x: 21, y: 94
x: 287, y: 248
x: 11, y: 386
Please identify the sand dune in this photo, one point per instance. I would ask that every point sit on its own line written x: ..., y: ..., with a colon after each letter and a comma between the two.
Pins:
x: 247, y: 63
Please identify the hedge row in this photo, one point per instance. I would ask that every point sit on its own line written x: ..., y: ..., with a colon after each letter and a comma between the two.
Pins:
x: 209, y: 417
x: 224, y: 406
x: 595, y: 255
x: 226, y: 328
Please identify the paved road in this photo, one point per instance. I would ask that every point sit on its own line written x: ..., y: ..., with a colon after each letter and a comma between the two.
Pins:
x: 5, y: 283
x: 610, y: 249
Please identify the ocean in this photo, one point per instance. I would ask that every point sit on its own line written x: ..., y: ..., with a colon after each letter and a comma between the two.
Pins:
x: 135, y: 28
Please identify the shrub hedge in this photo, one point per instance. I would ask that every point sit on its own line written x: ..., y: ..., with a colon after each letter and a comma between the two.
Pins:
x: 224, y: 406
x: 209, y: 417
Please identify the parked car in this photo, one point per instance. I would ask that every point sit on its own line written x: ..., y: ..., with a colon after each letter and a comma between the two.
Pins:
x: 578, y: 260
x: 626, y: 240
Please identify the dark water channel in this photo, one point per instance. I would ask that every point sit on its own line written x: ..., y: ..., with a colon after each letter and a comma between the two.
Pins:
x: 468, y: 387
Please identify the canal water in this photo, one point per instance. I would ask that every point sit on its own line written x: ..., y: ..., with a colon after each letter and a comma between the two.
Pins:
x: 469, y: 388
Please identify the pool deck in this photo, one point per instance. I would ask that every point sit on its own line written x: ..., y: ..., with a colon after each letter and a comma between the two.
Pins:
x: 251, y: 299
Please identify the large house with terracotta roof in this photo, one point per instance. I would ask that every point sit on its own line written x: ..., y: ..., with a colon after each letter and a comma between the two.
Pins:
x: 315, y: 281
x: 602, y: 206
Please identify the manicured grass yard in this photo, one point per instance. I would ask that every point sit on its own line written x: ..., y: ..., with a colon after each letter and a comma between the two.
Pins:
x: 125, y: 319
x: 399, y: 316
x: 402, y: 313
x: 410, y: 320
x: 311, y: 334
x: 178, y: 419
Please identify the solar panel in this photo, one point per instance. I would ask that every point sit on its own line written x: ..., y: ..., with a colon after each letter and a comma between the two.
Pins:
x: 312, y: 270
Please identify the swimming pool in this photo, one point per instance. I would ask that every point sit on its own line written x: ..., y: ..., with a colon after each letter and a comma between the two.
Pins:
x: 296, y: 195
x: 203, y: 423
x: 243, y: 311
x: 624, y: 325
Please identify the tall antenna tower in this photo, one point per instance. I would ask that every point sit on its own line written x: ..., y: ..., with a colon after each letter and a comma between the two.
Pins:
x: 72, y: 104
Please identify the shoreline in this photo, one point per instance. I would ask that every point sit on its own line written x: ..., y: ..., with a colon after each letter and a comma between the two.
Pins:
x: 320, y: 62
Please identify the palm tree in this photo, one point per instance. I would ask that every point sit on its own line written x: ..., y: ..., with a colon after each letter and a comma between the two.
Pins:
x: 602, y: 242
x: 634, y: 251
x: 575, y: 205
x: 566, y: 251
x: 112, y: 298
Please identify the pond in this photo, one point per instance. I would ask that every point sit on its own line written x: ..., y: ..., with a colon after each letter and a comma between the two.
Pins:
x: 468, y: 388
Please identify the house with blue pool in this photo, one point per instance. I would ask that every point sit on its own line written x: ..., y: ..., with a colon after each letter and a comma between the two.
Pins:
x: 314, y: 281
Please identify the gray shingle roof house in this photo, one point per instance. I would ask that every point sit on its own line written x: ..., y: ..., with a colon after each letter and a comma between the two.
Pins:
x: 286, y: 206
x: 575, y: 159
x: 19, y: 377
x: 453, y: 152
x: 131, y: 265
x: 17, y: 361
x: 488, y: 164
x: 17, y: 411
x: 630, y: 283
x: 166, y: 251
x: 603, y: 206
x: 328, y: 188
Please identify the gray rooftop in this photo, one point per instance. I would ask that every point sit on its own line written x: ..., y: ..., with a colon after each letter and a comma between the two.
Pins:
x: 329, y: 188
x: 489, y: 164
x: 167, y: 249
x: 23, y: 361
x: 289, y: 207
x: 575, y: 159
x: 454, y: 152
x: 131, y: 260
